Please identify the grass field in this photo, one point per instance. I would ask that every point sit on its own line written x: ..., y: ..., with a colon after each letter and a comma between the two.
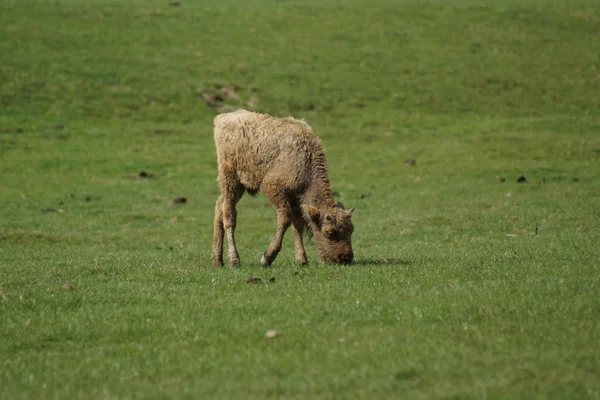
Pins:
x: 467, y: 284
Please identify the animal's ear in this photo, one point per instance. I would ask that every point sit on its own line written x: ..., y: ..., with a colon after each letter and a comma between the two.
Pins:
x: 339, y: 204
x: 311, y: 213
x: 350, y: 211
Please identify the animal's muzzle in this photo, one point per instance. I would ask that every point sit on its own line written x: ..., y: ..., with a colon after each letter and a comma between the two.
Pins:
x: 346, y: 258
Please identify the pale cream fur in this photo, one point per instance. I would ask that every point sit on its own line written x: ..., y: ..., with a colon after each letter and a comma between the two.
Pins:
x: 282, y: 158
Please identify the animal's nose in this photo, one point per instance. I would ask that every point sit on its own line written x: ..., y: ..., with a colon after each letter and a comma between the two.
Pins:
x: 347, y: 258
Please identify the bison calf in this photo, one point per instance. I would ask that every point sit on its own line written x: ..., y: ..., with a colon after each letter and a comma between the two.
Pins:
x: 281, y: 158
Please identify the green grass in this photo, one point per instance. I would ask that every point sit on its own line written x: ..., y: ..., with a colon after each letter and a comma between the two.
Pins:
x: 466, y: 285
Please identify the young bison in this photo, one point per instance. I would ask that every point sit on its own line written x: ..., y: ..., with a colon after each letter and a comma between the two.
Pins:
x: 281, y: 158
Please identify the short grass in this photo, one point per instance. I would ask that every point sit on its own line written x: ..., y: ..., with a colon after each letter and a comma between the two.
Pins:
x: 467, y: 284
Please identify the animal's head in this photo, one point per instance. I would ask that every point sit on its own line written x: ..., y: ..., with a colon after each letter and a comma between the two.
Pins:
x: 332, y: 230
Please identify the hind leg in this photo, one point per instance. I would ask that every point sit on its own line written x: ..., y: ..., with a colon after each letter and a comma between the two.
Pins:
x: 219, y: 232
x: 231, y: 192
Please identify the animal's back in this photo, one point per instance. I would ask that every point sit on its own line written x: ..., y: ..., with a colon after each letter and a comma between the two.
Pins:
x: 258, y: 146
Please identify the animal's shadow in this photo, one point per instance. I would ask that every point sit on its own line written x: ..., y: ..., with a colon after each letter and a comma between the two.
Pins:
x: 368, y: 262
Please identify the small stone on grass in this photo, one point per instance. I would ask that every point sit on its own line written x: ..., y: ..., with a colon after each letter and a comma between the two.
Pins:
x: 272, y: 333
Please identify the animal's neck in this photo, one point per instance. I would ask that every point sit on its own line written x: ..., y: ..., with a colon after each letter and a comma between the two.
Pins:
x: 318, y: 193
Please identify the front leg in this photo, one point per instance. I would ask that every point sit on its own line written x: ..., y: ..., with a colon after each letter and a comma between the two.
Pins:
x: 298, y: 229
x: 283, y: 222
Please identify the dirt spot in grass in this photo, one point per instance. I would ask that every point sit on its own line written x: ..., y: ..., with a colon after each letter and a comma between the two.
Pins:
x: 67, y: 287
x: 11, y: 130
x: 226, y: 108
x: 145, y: 175
x: 58, y: 126
x: 308, y: 107
x: 254, y: 280
x: 522, y: 179
x: 410, y: 162
x: 221, y: 94
x: 179, y: 201
x: 52, y: 210
x: 227, y: 98
x: 213, y: 99
x: 60, y: 136
x: 165, y: 131
x: 229, y: 92
x: 252, y: 102
x: 406, y: 374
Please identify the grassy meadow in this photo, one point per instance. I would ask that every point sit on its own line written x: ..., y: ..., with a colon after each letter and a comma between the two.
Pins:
x: 476, y: 269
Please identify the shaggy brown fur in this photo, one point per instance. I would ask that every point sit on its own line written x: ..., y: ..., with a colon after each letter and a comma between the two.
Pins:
x: 281, y: 158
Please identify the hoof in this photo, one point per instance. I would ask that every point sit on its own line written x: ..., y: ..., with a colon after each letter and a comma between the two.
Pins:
x: 264, y: 262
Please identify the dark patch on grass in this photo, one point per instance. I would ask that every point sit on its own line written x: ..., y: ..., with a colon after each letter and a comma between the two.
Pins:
x: 165, y: 131
x: 61, y: 136
x: 254, y: 280
x: 213, y: 99
x: 179, y: 201
x: 11, y: 130
x: 498, y: 84
x: 145, y: 175
x: 522, y: 179
x: 406, y: 374
x: 136, y: 217
x: 303, y: 274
